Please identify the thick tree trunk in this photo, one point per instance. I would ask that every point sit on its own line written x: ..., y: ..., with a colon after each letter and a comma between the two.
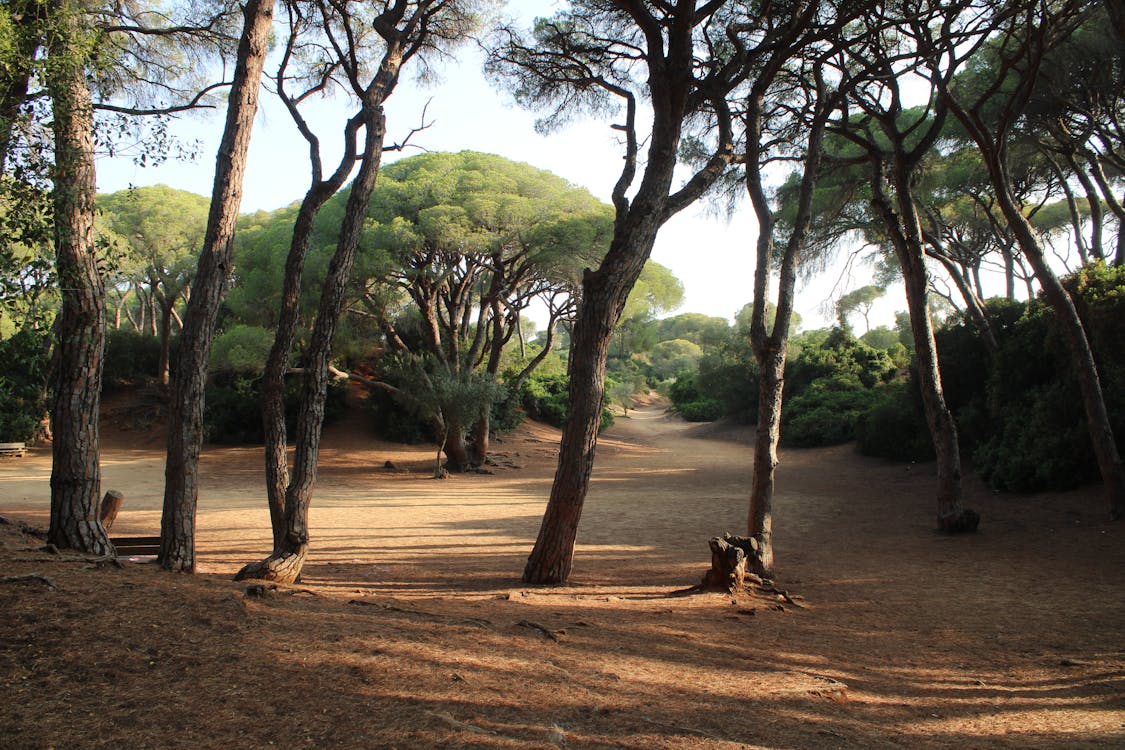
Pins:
x: 603, y: 298
x: 284, y: 565
x: 75, y: 468
x: 185, y: 428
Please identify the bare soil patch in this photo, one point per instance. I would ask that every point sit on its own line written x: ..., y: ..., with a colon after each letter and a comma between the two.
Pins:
x: 411, y: 629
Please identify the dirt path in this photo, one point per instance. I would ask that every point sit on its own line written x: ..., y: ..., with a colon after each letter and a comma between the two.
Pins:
x: 411, y: 628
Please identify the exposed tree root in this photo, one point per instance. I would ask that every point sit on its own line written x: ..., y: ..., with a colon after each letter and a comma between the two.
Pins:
x: 280, y: 567
x: 24, y: 578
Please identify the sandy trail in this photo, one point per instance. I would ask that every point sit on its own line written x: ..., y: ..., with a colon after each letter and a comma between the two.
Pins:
x: 1014, y: 637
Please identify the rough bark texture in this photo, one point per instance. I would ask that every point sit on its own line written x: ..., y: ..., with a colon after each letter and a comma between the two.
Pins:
x: 75, y: 471
x: 185, y: 428
x: 730, y: 558
x: 670, y: 85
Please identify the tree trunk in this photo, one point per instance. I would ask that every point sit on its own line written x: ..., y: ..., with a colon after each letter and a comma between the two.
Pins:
x: 75, y: 468
x: 603, y: 298
x: 904, y: 229
x: 165, y: 341
x: 1082, y: 358
x: 185, y: 428
x: 285, y: 563
x: 273, y: 376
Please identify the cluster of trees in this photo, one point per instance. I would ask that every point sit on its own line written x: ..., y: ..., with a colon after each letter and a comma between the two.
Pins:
x: 952, y: 135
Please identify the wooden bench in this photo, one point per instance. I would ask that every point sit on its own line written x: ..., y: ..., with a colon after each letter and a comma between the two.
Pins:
x: 12, y: 450
x: 136, y: 546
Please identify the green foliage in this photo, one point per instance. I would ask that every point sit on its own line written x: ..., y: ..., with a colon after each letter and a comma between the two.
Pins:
x: 669, y: 358
x: 841, y: 358
x: 690, y: 402
x: 233, y: 409
x: 23, y: 384
x: 1030, y: 426
x: 826, y: 413
x: 894, y: 426
x: 545, y: 399
x: 131, y: 357
x: 241, y: 348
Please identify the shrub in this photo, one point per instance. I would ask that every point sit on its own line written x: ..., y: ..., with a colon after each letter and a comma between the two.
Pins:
x: 824, y: 415
x: 23, y: 386
x: 233, y: 409
x: 689, y: 403
x: 131, y: 357
x: 894, y: 426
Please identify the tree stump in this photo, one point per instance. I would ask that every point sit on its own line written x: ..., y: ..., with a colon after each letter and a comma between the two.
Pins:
x: 111, y: 506
x: 729, y: 555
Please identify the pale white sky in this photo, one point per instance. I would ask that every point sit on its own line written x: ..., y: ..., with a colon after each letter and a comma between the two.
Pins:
x: 712, y: 256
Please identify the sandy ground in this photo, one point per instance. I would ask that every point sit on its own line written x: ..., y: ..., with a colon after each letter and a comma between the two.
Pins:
x: 411, y: 629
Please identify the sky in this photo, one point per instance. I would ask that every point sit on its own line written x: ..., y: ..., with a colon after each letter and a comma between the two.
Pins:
x: 711, y: 253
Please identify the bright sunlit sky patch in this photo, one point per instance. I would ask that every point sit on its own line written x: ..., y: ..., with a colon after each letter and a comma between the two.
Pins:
x: 711, y: 254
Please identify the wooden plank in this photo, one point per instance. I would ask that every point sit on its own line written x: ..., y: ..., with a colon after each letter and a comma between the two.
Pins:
x: 137, y: 545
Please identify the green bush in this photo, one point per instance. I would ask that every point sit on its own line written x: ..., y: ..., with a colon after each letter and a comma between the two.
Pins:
x: 824, y: 415
x: 131, y: 357
x: 23, y: 384
x: 1020, y: 411
x: 689, y: 403
x: 545, y: 399
x: 391, y: 421
x: 233, y: 408
x: 894, y: 426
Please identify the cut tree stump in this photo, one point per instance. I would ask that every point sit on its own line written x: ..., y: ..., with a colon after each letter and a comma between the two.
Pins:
x: 111, y: 506
x: 729, y: 555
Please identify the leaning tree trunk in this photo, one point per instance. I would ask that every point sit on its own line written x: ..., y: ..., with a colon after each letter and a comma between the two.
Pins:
x: 75, y: 467
x: 277, y: 363
x: 603, y: 298
x: 285, y: 563
x: 185, y: 428
x: 1082, y: 357
x: 904, y: 229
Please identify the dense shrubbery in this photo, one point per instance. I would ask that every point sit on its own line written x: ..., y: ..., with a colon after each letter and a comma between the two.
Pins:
x: 690, y: 403
x: 23, y: 388
x: 131, y: 357
x: 544, y: 399
x: 1026, y: 419
x: 894, y: 425
x: 233, y: 409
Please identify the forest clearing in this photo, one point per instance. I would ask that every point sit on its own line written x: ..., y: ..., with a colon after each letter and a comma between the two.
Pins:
x: 410, y: 627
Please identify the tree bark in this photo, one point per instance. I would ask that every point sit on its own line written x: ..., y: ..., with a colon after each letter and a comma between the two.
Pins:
x: 185, y: 428
x: 1082, y: 357
x: 904, y: 229
x: 75, y: 468
x: 285, y: 563
x: 670, y: 61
